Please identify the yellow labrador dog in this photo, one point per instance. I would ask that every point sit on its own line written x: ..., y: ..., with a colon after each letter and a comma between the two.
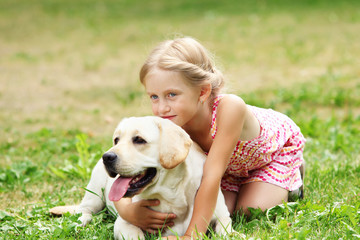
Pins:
x: 152, y: 158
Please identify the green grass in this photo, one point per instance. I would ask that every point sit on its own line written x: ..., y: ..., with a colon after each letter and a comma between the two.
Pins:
x: 330, y: 209
x: 68, y: 74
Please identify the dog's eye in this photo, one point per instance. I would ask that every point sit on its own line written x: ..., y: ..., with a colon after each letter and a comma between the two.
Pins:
x: 138, y: 140
x: 116, y: 140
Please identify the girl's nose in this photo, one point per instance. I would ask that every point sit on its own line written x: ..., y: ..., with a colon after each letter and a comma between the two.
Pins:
x: 163, y: 107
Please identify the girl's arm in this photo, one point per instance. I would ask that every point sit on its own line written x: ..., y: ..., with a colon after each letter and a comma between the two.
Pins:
x: 230, y: 120
x: 140, y: 215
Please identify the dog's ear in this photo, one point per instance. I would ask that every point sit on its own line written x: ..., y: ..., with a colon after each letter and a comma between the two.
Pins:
x: 174, y: 144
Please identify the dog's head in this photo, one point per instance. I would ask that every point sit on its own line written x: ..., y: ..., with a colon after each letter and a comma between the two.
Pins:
x: 143, y: 146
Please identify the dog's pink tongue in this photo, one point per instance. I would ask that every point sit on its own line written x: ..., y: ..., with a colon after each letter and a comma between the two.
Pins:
x: 119, y: 188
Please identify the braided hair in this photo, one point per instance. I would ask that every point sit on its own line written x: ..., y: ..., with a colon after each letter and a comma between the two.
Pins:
x: 187, y: 57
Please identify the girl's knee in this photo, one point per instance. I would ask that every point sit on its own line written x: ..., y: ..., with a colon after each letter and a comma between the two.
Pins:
x: 259, y: 195
x: 242, y: 207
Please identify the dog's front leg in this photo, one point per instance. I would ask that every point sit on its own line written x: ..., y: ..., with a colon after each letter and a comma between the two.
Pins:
x: 93, y: 201
x: 125, y: 230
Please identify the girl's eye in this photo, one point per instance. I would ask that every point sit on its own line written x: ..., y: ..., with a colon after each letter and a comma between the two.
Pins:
x: 153, y: 97
x: 172, y: 94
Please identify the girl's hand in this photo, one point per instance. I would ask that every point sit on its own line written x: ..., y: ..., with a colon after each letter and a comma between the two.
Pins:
x: 140, y: 215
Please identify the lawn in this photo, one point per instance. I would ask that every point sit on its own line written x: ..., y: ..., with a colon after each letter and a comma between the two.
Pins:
x: 69, y: 74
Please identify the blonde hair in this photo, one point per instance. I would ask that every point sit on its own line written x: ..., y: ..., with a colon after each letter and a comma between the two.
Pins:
x: 187, y: 57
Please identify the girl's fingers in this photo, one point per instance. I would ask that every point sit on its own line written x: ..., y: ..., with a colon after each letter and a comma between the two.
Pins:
x: 158, y: 215
x: 159, y: 225
x: 151, y: 220
x: 165, y: 217
x: 155, y: 214
x: 162, y: 216
x: 156, y: 223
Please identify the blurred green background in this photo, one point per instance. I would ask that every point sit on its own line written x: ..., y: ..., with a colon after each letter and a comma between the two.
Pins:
x: 72, y: 63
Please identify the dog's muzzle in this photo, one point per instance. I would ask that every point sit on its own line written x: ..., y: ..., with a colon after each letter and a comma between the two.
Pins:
x: 109, y: 160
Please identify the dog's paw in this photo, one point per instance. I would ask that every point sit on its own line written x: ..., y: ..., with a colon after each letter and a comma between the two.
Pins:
x: 125, y: 230
x: 223, y: 226
x: 61, y: 210
x: 85, y: 219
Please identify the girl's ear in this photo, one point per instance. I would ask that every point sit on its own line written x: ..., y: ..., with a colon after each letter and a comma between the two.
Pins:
x: 205, y: 92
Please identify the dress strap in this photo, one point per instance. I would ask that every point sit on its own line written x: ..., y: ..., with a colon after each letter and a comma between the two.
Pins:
x: 214, y: 110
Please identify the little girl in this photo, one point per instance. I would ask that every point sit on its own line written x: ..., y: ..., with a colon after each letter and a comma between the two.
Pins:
x: 254, y: 154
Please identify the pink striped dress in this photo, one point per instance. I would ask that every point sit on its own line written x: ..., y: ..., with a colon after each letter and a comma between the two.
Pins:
x: 273, y: 157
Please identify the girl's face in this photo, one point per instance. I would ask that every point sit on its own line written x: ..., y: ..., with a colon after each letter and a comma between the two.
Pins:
x: 172, y: 97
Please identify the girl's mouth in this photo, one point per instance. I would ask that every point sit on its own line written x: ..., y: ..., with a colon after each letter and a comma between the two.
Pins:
x: 168, y: 117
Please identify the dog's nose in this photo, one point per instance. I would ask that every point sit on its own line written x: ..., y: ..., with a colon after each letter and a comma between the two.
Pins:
x: 109, y: 157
